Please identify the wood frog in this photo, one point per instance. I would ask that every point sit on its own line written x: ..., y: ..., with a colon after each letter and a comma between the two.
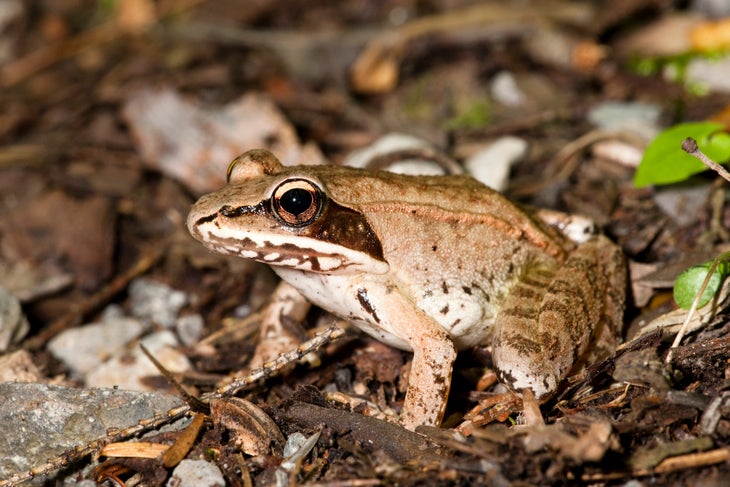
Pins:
x: 429, y: 264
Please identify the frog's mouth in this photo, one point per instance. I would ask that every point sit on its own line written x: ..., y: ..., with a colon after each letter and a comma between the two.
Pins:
x: 282, y: 248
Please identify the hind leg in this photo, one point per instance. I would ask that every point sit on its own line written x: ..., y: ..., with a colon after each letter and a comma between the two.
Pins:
x: 554, y: 315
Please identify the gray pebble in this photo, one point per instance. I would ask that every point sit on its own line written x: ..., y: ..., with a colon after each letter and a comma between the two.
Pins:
x: 190, y: 329
x: 196, y: 473
x: 155, y: 302
x: 504, y: 90
x: 634, y: 117
x: 491, y: 165
x: 84, y: 348
x: 129, y: 369
x: 711, y: 74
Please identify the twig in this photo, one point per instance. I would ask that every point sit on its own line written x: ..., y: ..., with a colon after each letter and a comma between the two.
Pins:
x: 94, y: 302
x: 195, y: 404
x: 695, y: 304
x: 689, y: 145
x: 669, y: 465
x: 564, y: 163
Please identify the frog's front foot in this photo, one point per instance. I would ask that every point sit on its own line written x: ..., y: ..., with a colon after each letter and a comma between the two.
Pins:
x: 429, y: 380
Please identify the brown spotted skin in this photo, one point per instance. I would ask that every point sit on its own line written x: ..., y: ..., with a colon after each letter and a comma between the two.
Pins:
x: 554, y: 316
x: 428, y: 264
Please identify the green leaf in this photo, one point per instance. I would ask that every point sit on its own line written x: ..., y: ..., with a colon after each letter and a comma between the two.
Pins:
x: 690, y: 281
x: 665, y: 162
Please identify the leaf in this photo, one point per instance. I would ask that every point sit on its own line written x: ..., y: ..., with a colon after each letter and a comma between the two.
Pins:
x: 689, y: 282
x: 665, y: 162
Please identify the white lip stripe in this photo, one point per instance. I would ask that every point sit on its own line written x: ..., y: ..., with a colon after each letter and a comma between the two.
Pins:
x: 296, y: 263
x: 269, y: 247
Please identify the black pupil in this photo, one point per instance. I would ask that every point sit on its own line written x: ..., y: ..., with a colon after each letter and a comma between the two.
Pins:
x: 296, y: 201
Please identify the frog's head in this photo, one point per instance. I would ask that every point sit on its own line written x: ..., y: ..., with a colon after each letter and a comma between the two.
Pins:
x: 285, y: 217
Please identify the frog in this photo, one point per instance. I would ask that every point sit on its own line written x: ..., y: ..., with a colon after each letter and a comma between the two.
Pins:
x: 432, y: 265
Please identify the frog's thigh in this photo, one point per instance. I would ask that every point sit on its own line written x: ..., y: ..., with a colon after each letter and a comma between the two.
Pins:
x: 613, y: 275
x: 434, y: 353
x: 551, y: 316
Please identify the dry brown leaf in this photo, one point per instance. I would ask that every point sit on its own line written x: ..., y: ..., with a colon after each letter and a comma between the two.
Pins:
x: 134, y: 449
x: 194, y: 143
x: 184, y: 442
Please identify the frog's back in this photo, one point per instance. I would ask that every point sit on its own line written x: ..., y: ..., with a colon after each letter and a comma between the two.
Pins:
x: 460, y: 203
x: 381, y: 189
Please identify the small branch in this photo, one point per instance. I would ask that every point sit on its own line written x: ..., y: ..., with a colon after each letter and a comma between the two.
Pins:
x: 92, y: 303
x: 689, y: 145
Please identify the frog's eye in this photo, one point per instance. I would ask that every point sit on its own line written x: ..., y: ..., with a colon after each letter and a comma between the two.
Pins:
x: 297, y: 202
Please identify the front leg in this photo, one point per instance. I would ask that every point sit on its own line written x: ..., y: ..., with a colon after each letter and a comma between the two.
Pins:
x: 430, y: 378
x: 434, y: 353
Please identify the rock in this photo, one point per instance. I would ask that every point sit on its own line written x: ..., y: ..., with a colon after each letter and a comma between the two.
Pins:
x: 155, y: 302
x: 190, y: 329
x: 711, y: 74
x: 40, y: 421
x: 504, y: 90
x: 196, y: 473
x: 84, y: 348
x: 128, y: 370
x: 491, y: 165
x: 392, y: 143
x: 634, y: 117
x: 18, y: 366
